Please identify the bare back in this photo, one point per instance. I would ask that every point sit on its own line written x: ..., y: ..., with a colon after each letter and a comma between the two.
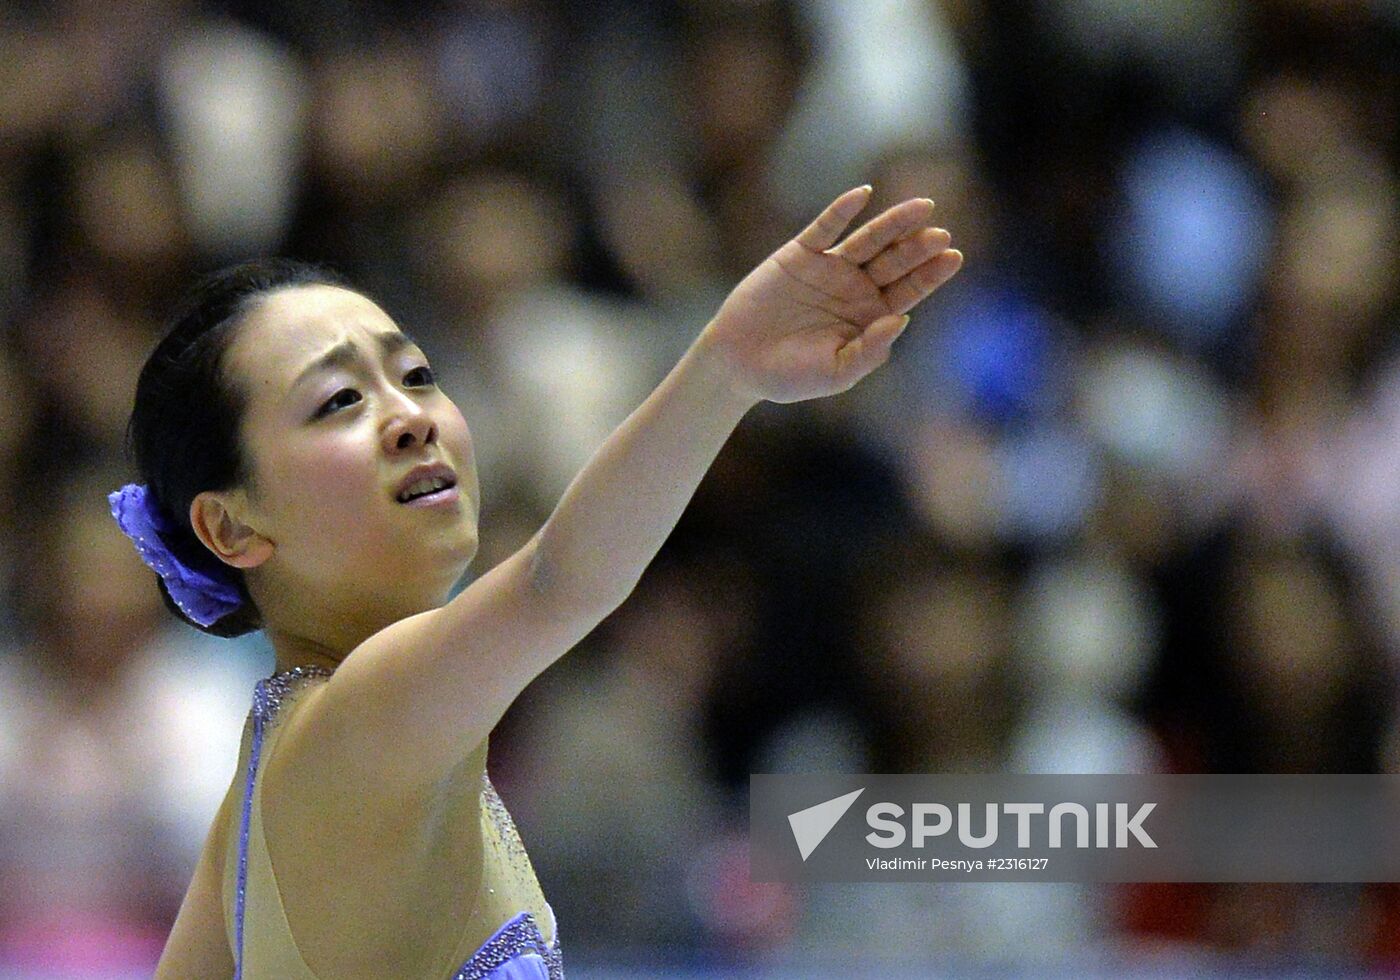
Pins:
x: 371, y: 887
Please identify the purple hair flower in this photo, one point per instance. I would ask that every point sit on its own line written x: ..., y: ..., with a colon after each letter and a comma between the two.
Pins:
x: 203, y: 598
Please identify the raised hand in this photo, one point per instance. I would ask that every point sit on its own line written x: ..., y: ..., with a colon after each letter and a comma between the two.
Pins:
x: 816, y: 316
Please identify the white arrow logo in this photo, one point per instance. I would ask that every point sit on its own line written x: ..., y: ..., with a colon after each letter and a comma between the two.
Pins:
x: 810, y: 826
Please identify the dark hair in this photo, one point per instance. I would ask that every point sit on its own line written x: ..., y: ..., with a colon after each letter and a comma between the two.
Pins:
x: 185, y: 428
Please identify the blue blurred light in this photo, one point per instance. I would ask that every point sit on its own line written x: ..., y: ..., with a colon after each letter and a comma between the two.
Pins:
x: 1193, y: 237
x: 991, y: 358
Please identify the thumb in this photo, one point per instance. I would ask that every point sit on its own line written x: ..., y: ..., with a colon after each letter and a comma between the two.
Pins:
x: 865, y: 353
x: 884, y: 331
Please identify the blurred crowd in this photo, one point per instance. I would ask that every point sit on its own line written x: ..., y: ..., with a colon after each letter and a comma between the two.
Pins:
x: 1125, y: 499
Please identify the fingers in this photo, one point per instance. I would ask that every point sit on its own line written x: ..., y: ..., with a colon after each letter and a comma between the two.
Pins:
x: 821, y: 234
x: 903, y: 294
x: 873, y: 237
x: 906, y: 255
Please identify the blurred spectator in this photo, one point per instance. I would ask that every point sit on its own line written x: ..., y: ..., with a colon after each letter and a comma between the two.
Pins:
x: 119, y: 742
x: 612, y: 757
x: 235, y: 103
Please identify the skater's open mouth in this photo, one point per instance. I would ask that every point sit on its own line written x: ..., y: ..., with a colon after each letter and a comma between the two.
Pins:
x: 424, y: 481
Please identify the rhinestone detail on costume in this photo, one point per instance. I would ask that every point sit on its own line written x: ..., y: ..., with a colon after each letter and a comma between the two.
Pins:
x: 518, y: 937
x: 273, y: 689
x: 522, y: 934
x: 508, y: 836
x: 267, y: 701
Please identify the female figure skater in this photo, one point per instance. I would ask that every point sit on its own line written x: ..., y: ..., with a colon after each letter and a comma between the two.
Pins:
x: 303, y: 475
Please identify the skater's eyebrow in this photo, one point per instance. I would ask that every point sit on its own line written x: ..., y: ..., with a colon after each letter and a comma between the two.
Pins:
x: 346, y: 353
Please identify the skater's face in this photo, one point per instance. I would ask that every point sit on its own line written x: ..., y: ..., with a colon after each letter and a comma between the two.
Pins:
x: 342, y: 407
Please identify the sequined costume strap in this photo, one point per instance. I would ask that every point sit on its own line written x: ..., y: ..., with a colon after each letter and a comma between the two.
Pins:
x: 267, y: 699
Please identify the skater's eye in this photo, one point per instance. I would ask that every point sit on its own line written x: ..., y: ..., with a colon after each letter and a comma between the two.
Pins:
x: 341, y: 399
x: 420, y: 377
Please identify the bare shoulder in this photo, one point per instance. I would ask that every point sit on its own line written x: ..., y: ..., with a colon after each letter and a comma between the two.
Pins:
x: 407, y: 707
x: 317, y: 777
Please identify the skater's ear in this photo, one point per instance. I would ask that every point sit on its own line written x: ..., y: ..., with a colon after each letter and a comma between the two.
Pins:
x: 222, y: 520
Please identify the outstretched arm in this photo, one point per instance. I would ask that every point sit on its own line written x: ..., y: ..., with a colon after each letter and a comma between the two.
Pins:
x: 812, y: 320
x: 410, y: 703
